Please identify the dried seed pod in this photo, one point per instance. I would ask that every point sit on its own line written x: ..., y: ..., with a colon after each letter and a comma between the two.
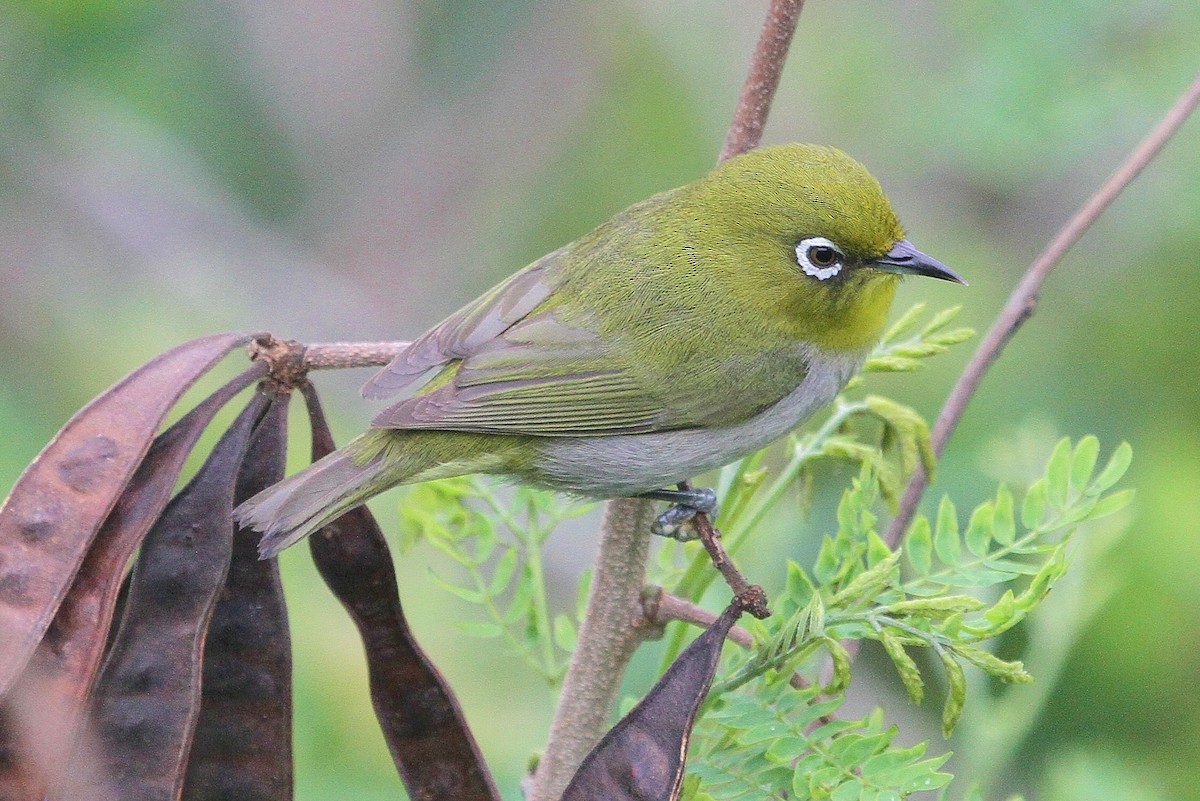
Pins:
x: 65, y: 662
x: 242, y: 750
x: 57, y: 505
x: 147, y: 697
x: 425, y: 731
x: 642, y: 757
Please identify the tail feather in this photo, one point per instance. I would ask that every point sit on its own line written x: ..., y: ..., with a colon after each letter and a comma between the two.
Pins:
x: 289, y: 511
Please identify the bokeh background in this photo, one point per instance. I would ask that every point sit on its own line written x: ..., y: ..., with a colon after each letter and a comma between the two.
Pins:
x: 358, y: 170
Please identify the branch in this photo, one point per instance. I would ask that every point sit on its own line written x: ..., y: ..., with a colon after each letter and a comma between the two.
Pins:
x: 1021, y: 303
x: 745, y: 132
x: 661, y: 607
x: 335, y: 355
x: 607, y: 638
x: 290, y: 359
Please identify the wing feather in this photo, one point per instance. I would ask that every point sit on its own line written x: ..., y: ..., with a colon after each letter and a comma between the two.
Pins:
x: 504, y: 365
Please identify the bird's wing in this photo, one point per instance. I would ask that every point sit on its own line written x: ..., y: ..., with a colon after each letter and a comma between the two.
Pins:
x: 514, y: 362
x: 503, y: 365
x: 462, y: 333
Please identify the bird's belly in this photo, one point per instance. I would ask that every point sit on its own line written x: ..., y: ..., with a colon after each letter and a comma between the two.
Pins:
x: 630, y: 464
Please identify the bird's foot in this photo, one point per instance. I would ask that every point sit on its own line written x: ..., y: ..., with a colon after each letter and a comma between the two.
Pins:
x: 685, y: 504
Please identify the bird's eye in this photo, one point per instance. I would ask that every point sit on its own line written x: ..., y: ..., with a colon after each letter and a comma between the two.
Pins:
x: 822, y: 256
x: 819, y: 257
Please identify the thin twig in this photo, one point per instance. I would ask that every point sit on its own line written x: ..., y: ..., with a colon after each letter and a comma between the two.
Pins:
x: 290, y: 361
x: 662, y: 607
x: 763, y: 78
x: 334, y: 355
x: 748, y: 597
x: 1023, y: 300
x: 607, y: 638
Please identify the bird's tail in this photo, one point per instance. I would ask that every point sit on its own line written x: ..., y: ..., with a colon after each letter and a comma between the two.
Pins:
x: 289, y: 511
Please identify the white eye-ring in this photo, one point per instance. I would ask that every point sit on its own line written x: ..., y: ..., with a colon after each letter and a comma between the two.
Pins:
x: 819, y: 257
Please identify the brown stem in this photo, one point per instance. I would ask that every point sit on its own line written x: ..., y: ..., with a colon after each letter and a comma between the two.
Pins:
x: 748, y: 597
x: 660, y: 607
x: 763, y: 78
x: 1023, y: 300
x: 334, y: 355
x: 290, y: 361
x: 607, y: 638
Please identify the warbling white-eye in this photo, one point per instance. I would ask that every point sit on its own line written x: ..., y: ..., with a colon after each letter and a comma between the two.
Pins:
x: 690, y: 329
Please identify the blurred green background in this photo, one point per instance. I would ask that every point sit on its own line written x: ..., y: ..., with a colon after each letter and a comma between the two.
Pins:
x: 359, y: 170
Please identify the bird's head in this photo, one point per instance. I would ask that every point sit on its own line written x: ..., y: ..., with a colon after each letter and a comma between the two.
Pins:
x: 827, y: 247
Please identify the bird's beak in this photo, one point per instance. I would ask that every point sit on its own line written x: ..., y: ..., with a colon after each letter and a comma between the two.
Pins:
x: 906, y: 259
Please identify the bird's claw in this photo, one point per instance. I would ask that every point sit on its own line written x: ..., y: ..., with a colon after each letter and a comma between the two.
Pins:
x: 687, y: 503
x: 671, y: 523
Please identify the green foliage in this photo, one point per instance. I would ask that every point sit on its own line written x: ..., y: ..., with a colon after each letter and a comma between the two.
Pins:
x: 504, y: 578
x: 943, y: 588
x: 904, y: 347
x: 770, y: 741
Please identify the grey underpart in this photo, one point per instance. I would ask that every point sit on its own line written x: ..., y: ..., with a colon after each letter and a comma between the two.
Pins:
x: 631, y: 464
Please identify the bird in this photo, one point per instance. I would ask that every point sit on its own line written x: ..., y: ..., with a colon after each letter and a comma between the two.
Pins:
x: 690, y: 329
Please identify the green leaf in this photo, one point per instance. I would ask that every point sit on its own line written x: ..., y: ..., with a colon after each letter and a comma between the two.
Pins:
x: 564, y: 633
x: 1111, y: 504
x: 1034, y: 507
x: 905, y: 666
x: 799, y: 586
x: 854, y: 748
x: 1002, y: 611
x: 1058, y: 473
x: 466, y: 593
x: 891, y: 364
x: 907, y: 321
x: 1004, y: 528
x: 956, y: 693
x: 946, y: 539
x: 994, y: 665
x: 924, y: 776
x: 1118, y: 463
x: 869, y: 582
x: 848, y: 790
x: 892, y: 760
x: 979, y: 530
x: 479, y: 629
x: 1083, y: 463
x: 941, y: 320
x: 841, y: 667
x: 825, y: 569
x: 485, y: 541
x: 877, y: 549
x: 506, y: 568
x: 937, y: 606
x: 918, y: 546
x: 522, y: 599
x: 953, y: 337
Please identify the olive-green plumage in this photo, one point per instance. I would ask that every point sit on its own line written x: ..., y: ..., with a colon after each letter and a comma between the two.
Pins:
x: 689, y: 329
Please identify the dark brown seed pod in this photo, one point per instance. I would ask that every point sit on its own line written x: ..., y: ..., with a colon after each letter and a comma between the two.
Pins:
x: 65, y: 662
x: 147, y: 696
x: 425, y: 731
x: 642, y: 757
x: 242, y: 750
x: 57, y: 505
